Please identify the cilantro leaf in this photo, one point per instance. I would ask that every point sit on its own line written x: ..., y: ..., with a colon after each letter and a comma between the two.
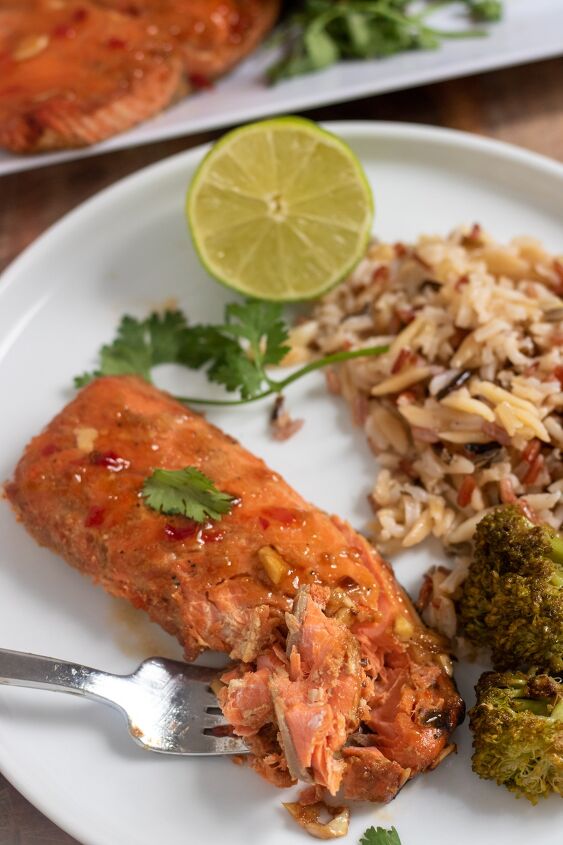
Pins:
x: 322, y: 32
x: 140, y: 345
x: 187, y: 492
x: 262, y: 325
x: 166, y: 333
x: 380, y: 836
x: 485, y: 10
x: 235, y: 353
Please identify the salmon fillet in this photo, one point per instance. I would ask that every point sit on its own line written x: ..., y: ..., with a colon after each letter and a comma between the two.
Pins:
x: 73, y: 73
x: 211, y: 35
x: 337, y: 682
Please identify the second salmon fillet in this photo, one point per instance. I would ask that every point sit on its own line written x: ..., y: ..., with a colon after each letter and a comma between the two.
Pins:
x: 337, y: 681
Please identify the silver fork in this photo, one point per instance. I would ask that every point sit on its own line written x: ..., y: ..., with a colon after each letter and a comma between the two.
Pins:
x: 169, y: 706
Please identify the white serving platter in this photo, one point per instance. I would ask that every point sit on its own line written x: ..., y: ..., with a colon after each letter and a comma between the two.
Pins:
x: 530, y: 30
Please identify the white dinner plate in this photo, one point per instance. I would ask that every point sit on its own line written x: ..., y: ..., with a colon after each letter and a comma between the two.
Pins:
x: 529, y: 30
x: 127, y: 250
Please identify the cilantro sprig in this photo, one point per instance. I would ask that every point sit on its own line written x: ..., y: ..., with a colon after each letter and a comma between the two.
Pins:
x: 186, y: 492
x: 323, y: 31
x: 235, y: 354
x: 380, y: 836
x: 141, y: 345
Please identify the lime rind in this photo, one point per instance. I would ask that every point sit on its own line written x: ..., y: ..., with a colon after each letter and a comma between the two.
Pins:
x: 326, y: 220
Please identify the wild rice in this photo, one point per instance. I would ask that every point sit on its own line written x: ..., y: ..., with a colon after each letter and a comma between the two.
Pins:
x: 465, y: 410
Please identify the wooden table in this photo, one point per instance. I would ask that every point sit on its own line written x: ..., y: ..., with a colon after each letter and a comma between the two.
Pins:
x: 522, y: 105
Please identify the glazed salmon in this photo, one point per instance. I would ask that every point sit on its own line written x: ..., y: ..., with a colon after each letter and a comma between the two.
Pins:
x: 72, y: 73
x: 337, y: 681
x: 211, y: 35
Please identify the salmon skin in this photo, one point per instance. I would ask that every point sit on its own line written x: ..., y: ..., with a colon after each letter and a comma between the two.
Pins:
x: 337, y: 681
x: 74, y: 72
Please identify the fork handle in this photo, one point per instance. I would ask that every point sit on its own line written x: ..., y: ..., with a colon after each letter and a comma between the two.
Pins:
x: 18, y: 668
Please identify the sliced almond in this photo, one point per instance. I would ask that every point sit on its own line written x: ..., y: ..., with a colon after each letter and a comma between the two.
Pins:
x: 274, y: 564
x: 29, y: 47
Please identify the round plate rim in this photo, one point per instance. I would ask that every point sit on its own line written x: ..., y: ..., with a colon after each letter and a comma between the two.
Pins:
x: 349, y: 131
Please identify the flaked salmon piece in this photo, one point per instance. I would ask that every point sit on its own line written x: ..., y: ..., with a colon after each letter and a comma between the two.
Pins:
x: 73, y: 73
x: 314, y: 695
x: 211, y: 35
x: 332, y: 656
x: 370, y: 776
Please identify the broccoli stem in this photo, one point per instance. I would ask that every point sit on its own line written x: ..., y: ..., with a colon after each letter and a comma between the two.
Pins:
x: 557, y: 552
x: 532, y: 705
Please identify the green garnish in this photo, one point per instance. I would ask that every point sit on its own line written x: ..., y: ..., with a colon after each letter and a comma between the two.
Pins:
x: 235, y: 353
x: 380, y: 836
x: 324, y: 31
x: 187, y: 492
x: 485, y: 10
x: 140, y: 345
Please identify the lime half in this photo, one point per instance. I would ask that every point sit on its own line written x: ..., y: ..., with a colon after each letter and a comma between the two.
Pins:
x: 280, y: 209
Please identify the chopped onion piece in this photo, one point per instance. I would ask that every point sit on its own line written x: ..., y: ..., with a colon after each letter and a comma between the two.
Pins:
x: 308, y: 817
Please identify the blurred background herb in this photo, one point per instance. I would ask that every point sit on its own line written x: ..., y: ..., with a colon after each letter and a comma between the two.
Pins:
x: 320, y: 32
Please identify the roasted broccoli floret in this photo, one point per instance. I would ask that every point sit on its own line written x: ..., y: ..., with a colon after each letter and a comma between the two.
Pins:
x: 517, y: 726
x: 512, y: 600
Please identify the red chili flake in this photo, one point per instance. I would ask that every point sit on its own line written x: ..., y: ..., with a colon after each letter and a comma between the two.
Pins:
x: 95, y: 517
x: 49, y: 449
x: 558, y: 373
x: 198, y: 80
x: 110, y: 460
x: 283, y: 515
x: 465, y: 491
x: 463, y: 280
x: 212, y: 535
x: 116, y: 43
x: 63, y: 30
x: 264, y: 523
x: 400, y: 249
x: 80, y: 15
x: 536, y: 467
x: 189, y: 528
x: 532, y: 450
x: 132, y: 9
x: 406, y: 356
x: 380, y: 274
